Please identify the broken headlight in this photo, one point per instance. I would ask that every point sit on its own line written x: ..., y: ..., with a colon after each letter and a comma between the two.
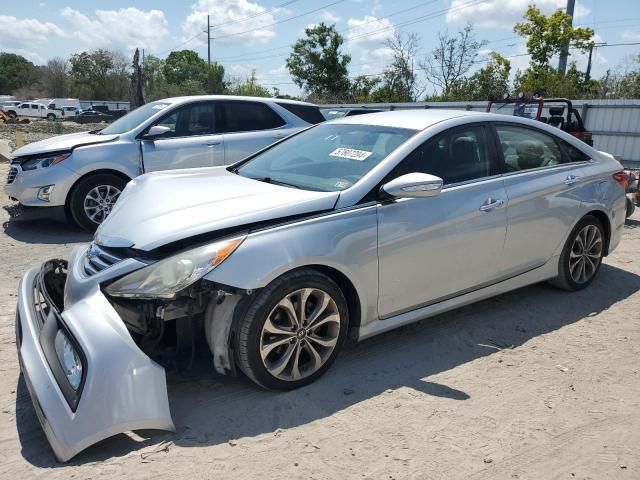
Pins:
x: 165, y: 278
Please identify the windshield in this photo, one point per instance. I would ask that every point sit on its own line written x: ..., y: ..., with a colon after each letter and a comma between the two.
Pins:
x: 328, y: 158
x: 134, y: 118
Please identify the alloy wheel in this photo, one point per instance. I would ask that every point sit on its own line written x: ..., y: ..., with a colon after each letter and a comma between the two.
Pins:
x: 299, y: 334
x: 586, y: 254
x: 99, y: 202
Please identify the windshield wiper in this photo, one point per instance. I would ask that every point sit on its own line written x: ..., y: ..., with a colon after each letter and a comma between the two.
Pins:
x: 274, y: 182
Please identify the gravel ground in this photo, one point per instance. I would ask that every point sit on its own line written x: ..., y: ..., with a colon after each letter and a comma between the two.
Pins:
x: 43, y: 129
x: 534, y: 384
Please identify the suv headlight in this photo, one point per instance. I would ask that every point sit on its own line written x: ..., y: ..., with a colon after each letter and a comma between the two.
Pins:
x: 165, y: 278
x: 44, y: 161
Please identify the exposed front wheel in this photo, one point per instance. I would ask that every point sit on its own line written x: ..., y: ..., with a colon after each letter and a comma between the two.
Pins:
x: 582, y: 255
x: 93, y: 198
x: 292, y: 330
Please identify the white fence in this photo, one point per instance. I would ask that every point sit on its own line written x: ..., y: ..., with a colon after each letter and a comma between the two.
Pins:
x: 615, y: 124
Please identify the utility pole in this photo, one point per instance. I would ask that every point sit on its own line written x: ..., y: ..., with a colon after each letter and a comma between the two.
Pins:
x: 562, y: 64
x: 588, y: 73
x: 208, y: 41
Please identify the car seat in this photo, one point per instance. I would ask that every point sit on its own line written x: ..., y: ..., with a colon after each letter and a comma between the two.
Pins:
x: 530, y: 154
x: 464, y: 157
x: 556, y: 118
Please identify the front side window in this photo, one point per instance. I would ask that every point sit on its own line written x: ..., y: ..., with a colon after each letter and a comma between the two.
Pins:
x: 457, y: 155
x: 328, y: 157
x: 248, y: 116
x: 34, y: 107
x: 526, y: 148
x: 191, y: 120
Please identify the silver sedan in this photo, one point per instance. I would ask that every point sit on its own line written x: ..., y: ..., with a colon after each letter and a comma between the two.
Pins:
x: 347, y: 229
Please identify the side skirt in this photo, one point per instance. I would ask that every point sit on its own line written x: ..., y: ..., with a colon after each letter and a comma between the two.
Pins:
x: 546, y: 272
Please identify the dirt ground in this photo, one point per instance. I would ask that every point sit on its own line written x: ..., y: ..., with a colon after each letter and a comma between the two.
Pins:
x: 534, y: 384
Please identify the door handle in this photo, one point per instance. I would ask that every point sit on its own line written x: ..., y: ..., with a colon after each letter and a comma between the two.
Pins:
x: 571, y: 179
x: 280, y: 135
x: 490, y: 205
x: 211, y: 144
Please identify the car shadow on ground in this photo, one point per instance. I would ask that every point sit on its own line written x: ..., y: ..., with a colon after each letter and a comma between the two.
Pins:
x: 209, y: 409
x: 45, y: 232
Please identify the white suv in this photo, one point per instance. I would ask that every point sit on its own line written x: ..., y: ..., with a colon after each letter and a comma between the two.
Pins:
x: 81, y: 175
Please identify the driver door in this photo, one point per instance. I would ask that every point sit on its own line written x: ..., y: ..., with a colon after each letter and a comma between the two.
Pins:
x: 191, y: 141
x: 432, y: 249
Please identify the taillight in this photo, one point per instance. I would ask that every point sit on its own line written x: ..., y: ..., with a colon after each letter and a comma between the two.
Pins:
x: 622, y: 178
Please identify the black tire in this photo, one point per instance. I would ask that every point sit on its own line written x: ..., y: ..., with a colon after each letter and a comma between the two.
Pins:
x: 565, y: 280
x: 51, y: 117
x: 80, y: 192
x: 255, y: 312
x: 12, y: 114
x: 630, y: 207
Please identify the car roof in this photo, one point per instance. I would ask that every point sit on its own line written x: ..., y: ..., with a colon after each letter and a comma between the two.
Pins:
x: 417, y: 119
x: 232, y: 97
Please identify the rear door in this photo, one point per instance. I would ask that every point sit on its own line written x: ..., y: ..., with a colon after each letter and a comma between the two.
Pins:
x: 248, y: 127
x: 431, y: 249
x: 544, y: 190
x: 190, y: 142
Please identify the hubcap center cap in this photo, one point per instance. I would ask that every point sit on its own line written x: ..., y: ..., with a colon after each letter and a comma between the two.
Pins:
x: 301, y: 334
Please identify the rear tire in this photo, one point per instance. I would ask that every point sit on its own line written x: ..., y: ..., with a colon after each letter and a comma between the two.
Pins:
x: 581, y: 256
x: 92, y: 199
x: 630, y: 207
x: 51, y: 117
x: 12, y: 114
x: 276, y: 350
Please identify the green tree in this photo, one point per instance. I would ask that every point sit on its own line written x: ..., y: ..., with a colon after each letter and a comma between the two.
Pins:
x: 549, y: 82
x: 317, y: 64
x: 250, y: 87
x: 90, y: 74
x: 490, y: 81
x: 362, y: 88
x: 184, y: 65
x: 452, y: 59
x: 16, y: 72
x: 546, y: 35
x: 216, y: 84
x: 400, y: 80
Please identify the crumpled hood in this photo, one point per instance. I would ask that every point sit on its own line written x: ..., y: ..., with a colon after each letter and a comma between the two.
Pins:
x: 61, y: 143
x: 162, y: 207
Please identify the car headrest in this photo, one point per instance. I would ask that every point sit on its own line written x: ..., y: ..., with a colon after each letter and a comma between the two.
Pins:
x: 464, y: 149
x: 530, y: 154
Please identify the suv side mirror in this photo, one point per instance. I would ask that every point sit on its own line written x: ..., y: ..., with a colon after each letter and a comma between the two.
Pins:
x: 155, y: 132
x: 414, y: 185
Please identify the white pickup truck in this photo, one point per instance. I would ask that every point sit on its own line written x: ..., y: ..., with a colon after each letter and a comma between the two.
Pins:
x: 31, y: 109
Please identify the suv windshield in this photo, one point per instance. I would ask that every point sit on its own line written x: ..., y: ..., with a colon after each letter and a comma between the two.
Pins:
x: 329, y: 157
x: 134, y: 118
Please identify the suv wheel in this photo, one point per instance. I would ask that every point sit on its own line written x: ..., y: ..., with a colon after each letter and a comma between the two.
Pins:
x: 93, y: 198
x: 292, y: 330
x: 51, y: 117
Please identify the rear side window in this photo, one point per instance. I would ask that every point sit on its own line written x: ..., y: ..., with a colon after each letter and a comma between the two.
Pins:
x: 34, y: 107
x: 308, y: 113
x: 526, y: 148
x: 248, y: 117
x: 456, y: 156
x: 574, y: 154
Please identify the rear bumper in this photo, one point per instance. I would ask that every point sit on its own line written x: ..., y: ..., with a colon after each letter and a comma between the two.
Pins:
x: 122, y: 390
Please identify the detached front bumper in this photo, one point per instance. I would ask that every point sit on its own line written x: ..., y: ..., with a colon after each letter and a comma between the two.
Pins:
x: 122, y: 388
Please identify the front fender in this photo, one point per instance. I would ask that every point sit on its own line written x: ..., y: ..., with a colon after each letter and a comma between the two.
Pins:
x: 342, y: 240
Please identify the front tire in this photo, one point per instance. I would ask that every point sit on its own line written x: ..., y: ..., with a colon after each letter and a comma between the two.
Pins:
x: 93, y: 198
x: 581, y: 256
x: 51, y: 117
x: 292, y: 331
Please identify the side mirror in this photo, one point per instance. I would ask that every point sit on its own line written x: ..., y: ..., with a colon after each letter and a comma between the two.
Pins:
x: 155, y: 132
x: 414, y: 185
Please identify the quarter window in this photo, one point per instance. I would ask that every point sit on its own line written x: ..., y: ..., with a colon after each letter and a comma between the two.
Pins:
x: 455, y: 156
x: 526, y: 148
x: 249, y: 116
x: 574, y: 154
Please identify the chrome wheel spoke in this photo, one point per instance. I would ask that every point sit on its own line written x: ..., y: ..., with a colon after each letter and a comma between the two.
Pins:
x: 585, y: 254
x: 99, y: 201
x: 299, y: 334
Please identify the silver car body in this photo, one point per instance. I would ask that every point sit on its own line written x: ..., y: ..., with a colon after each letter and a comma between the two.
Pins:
x: 128, y: 155
x: 404, y: 260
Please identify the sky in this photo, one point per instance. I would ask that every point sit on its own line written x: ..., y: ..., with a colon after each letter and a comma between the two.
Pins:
x: 258, y: 34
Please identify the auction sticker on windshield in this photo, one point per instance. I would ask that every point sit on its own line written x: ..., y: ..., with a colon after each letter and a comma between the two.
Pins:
x: 350, y: 154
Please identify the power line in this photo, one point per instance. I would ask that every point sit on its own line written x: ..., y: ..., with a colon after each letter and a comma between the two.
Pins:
x: 280, y: 21
x: 255, y: 15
